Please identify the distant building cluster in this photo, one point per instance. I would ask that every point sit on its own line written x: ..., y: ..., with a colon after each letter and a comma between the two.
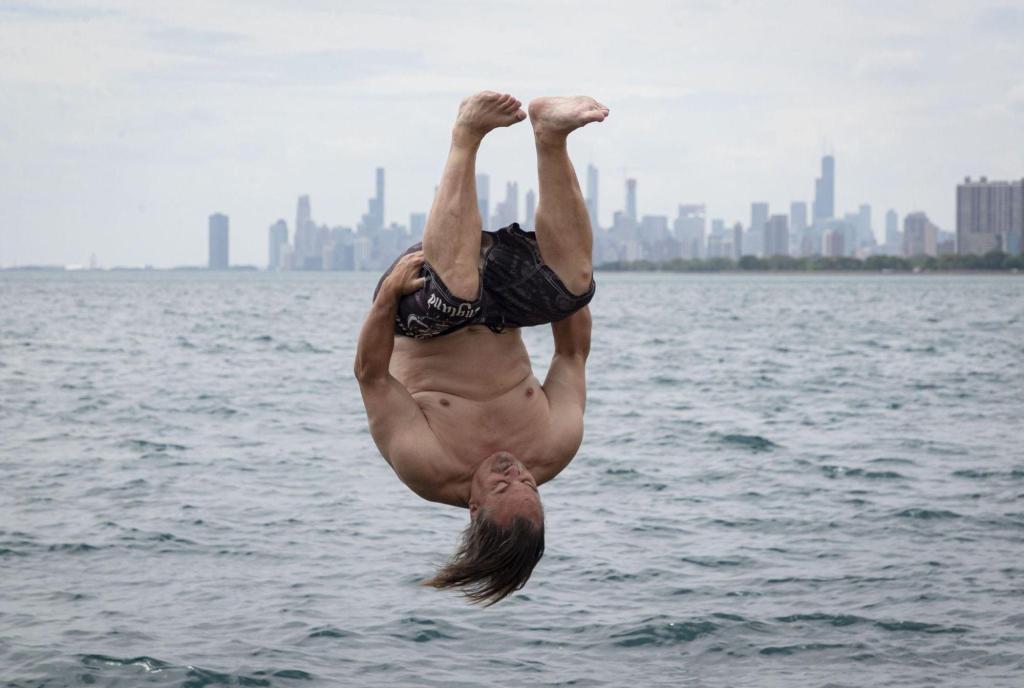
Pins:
x: 371, y: 244
x: 989, y: 217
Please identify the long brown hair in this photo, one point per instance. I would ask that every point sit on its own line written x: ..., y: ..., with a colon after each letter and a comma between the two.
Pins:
x: 492, y: 561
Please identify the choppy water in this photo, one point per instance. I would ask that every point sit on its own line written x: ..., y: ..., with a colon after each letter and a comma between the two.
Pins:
x: 785, y: 481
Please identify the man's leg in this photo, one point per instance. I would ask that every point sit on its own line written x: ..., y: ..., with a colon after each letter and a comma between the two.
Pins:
x: 451, y: 239
x: 562, y: 223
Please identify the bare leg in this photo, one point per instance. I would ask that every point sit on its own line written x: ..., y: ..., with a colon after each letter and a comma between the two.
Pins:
x: 451, y: 239
x: 562, y: 223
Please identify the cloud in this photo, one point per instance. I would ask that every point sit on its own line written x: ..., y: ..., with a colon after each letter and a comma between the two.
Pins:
x: 1015, y: 98
x: 893, y: 66
x: 53, y: 12
x: 1004, y: 20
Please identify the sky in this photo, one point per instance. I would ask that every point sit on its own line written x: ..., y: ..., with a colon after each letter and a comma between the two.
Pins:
x: 124, y: 125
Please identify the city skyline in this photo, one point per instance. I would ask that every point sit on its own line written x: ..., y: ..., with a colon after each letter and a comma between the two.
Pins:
x: 125, y: 125
x: 990, y: 217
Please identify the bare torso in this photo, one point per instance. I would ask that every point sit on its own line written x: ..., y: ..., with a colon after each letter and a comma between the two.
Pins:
x: 479, y: 395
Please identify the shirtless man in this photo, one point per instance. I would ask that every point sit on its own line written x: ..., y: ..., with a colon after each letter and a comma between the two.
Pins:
x: 452, y: 401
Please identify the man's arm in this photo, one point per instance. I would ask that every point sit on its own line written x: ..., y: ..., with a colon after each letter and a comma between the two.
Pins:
x: 566, y: 389
x: 397, y: 423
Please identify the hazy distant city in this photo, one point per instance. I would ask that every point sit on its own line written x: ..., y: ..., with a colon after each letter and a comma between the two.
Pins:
x: 989, y: 217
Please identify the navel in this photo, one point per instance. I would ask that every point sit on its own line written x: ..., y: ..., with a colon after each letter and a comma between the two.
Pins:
x: 445, y: 402
x: 529, y: 391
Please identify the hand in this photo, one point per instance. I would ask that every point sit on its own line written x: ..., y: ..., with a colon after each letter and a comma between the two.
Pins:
x: 405, y: 278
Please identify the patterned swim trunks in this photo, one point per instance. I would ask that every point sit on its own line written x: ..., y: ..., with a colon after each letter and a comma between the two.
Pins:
x: 516, y: 290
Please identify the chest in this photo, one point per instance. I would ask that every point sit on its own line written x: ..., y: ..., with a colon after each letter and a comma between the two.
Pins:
x: 469, y: 429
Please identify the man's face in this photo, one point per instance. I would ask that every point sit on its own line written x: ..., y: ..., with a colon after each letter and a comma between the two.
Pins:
x: 505, y: 488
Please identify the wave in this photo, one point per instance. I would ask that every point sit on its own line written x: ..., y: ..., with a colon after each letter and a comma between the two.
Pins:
x: 170, y: 674
x: 753, y: 442
x: 656, y: 632
x: 841, y: 471
x: 927, y: 514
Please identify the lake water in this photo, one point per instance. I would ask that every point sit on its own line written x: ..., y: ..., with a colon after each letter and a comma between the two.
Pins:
x: 785, y: 481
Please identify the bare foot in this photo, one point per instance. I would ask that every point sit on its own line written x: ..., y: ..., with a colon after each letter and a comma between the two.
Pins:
x: 485, y: 111
x: 554, y: 118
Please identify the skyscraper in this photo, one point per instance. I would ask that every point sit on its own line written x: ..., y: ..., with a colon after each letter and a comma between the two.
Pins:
x: 507, y: 211
x: 531, y: 209
x: 825, y: 191
x: 218, y: 242
x: 920, y: 236
x: 833, y: 244
x: 737, y: 240
x: 892, y: 227
x: 754, y: 244
x: 592, y: 207
x: 776, y: 236
x: 893, y: 236
x: 278, y: 243
x: 417, y: 223
x: 865, y: 233
x: 689, y: 230
x: 305, y: 232
x: 989, y: 216
x: 380, y: 196
x: 483, y: 197
x: 631, y: 200
x: 798, y: 217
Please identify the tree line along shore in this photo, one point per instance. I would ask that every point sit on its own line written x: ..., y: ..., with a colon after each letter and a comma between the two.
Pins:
x: 994, y: 261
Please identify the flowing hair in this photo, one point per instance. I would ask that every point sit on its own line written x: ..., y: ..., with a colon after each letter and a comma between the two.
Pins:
x: 492, y: 561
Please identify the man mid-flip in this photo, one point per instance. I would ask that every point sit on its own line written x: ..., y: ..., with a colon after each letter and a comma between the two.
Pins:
x: 451, y: 398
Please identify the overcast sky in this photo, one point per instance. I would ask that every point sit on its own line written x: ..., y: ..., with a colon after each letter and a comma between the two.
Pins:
x: 123, y: 125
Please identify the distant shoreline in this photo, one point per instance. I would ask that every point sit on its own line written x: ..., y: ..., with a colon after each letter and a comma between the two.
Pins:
x: 993, y: 262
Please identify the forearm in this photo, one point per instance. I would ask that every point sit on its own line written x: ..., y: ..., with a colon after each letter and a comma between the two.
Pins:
x: 377, y: 338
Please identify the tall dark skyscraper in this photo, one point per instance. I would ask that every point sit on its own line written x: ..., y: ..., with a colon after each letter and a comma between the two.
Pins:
x: 592, y: 207
x: 373, y: 220
x: 825, y: 191
x: 218, y: 242
x: 631, y: 199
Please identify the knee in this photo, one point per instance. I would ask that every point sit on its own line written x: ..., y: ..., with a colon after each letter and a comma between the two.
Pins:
x: 580, y: 280
x: 462, y: 284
